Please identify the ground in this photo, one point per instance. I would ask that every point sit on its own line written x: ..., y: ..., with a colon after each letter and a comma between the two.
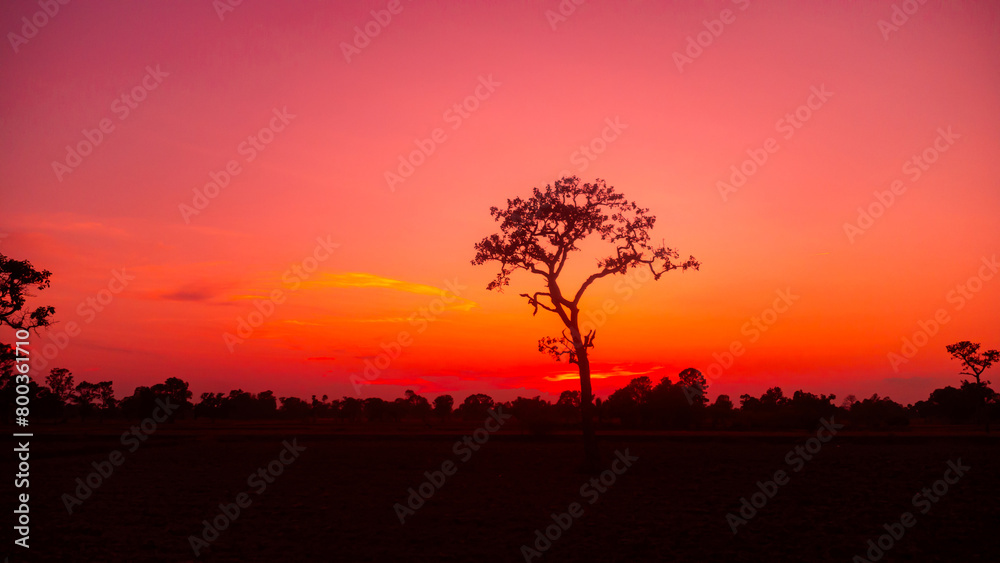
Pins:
x: 335, y: 501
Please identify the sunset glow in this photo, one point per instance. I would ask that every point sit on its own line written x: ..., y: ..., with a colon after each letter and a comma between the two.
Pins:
x: 258, y: 199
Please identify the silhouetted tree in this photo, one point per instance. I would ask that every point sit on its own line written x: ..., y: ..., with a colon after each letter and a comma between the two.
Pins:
x: 695, y: 386
x: 767, y: 411
x: 443, y: 405
x: 806, y: 409
x: 535, y: 413
x: 43, y: 403
x: 16, y: 278
x: 320, y: 407
x: 721, y: 411
x: 538, y: 234
x: 60, y: 381
x: 351, y: 409
x: 946, y: 403
x: 416, y: 406
x: 83, y: 397
x: 878, y: 412
x: 294, y: 408
x: 240, y: 404
x: 628, y: 403
x: 139, y: 404
x: 267, y: 404
x: 210, y: 405
x: 177, y: 391
x: 568, y: 405
x: 106, y: 395
x: 673, y: 406
x: 376, y: 409
x: 974, y: 364
x: 475, y: 406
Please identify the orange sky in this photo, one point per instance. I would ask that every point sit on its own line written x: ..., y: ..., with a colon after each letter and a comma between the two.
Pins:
x: 267, y: 99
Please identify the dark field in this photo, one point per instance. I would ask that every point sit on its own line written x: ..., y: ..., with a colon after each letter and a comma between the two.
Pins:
x: 335, y: 501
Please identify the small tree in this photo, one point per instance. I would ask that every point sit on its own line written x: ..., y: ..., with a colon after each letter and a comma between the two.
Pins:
x: 443, y: 405
x: 476, y: 406
x: 84, y: 396
x: 538, y: 233
x: 106, y: 393
x: 695, y: 386
x: 60, y: 381
x: 416, y: 405
x: 975, y: 363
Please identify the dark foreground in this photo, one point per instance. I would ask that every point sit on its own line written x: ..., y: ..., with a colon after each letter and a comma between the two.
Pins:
x: 335, y: 501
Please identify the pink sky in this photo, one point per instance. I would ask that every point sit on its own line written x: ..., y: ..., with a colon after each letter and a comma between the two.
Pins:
x: 550, y: 91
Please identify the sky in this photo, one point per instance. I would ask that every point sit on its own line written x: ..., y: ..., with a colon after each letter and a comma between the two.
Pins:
x: 321, y: 171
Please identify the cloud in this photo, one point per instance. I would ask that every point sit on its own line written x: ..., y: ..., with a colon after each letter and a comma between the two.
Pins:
x: 192, y: 292
x: 187, y: 295
x: 364, y: 280
x: 617, y: 371
x: 71, y: 223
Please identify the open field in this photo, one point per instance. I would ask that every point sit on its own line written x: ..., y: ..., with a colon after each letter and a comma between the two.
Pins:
x: 335, y: 501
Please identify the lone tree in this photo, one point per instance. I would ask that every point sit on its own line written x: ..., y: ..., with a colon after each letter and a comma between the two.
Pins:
x: 537, y: 234
x: 975, y: 363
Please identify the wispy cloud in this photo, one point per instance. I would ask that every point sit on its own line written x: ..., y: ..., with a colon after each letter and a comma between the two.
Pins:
x: 195, y: 291
x: 89, y: 227
x: 616, y: 371
x: 188, y: 295
x: 365, y: 280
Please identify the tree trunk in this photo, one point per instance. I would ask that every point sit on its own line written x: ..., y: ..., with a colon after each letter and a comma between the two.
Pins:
x: 591, y: 455
x: 986, y: 412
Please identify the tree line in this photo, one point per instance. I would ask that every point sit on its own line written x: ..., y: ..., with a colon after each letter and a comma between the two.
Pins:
x: 568, y: 212
x: 639, y: 405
